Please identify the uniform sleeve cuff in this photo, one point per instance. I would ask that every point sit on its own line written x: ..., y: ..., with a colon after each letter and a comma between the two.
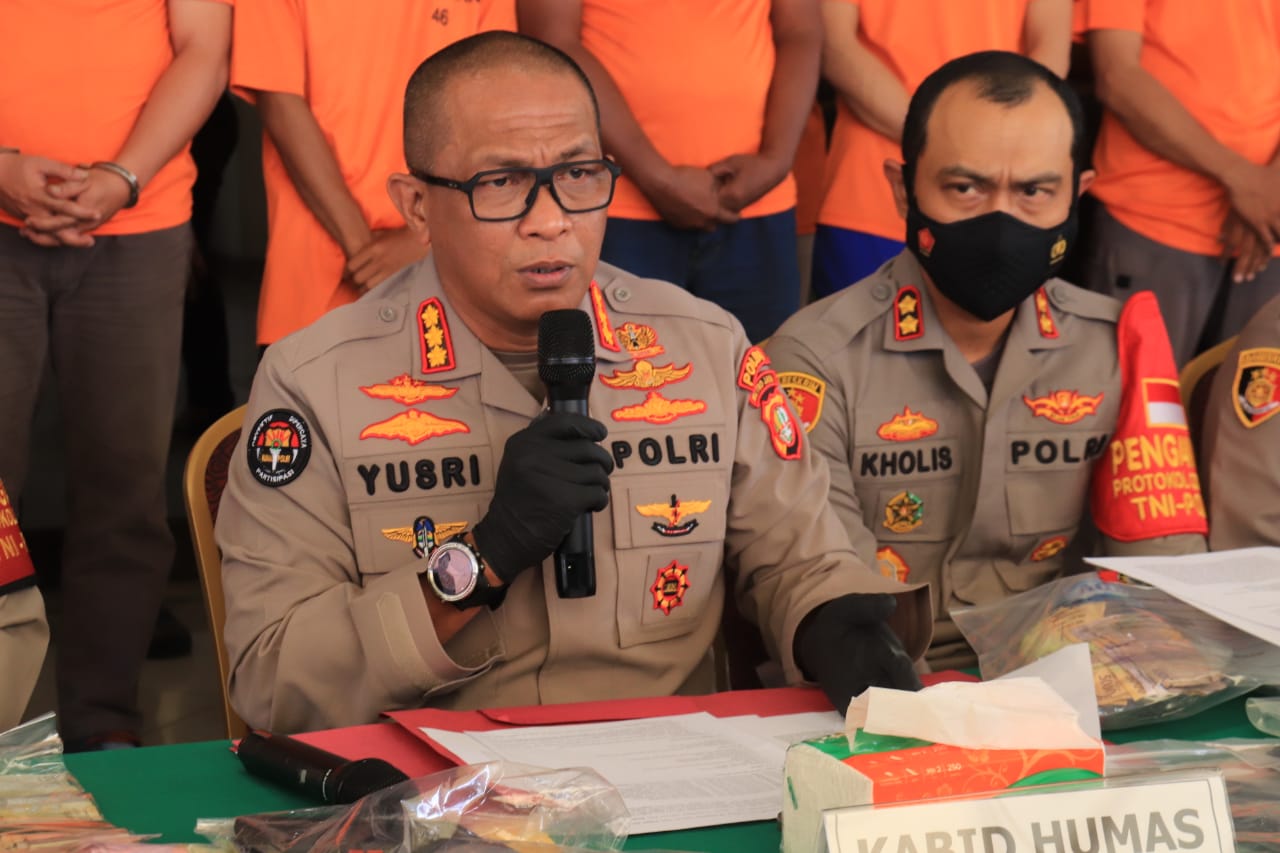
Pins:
x: 395, y: 628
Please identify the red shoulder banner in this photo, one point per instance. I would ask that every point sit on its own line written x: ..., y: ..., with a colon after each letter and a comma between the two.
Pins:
x: 16, y: 570
x: 1146, y: 484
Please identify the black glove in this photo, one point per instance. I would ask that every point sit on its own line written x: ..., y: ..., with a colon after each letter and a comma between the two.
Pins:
x: 846, y: 646
x: 552, y: 471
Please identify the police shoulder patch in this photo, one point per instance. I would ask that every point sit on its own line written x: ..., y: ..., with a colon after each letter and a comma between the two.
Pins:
x: 279, y: 447
x: 1256, y: 394
x: 807, y: 393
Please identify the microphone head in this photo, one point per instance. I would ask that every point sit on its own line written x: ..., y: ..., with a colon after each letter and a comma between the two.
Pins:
x: 566, y: 348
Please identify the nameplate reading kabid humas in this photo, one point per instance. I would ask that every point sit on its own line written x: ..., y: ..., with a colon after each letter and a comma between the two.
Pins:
x: 1135, y: 814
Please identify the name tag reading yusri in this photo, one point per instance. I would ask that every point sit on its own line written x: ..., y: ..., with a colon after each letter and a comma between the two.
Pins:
x: 1125, y: 814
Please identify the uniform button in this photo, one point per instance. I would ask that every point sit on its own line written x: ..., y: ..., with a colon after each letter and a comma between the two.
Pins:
x: 1061, y: 294
x: 880, y: 291
x: 386, y: 313
x: 622, y: 294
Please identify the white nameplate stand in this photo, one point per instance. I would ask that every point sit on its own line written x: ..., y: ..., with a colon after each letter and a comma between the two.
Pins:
x: 1171, y: 812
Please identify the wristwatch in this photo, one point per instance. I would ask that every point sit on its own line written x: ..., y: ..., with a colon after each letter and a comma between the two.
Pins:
x: 455, y: 571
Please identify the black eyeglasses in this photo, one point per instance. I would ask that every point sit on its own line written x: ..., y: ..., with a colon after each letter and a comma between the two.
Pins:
x: 499, y: 195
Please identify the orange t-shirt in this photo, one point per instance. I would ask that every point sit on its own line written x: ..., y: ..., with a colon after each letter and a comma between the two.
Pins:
x: 696, y: 75
x: 1222, y: 62
x: 351, y: 62
x: 912, y: 38
x: 74, y: 76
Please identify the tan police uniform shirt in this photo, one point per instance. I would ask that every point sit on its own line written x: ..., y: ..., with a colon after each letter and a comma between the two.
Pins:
x: 1241, y: 439
x: 937, y: 480
x: 391, y: 408
x: 24, y: 637
x: 24, y: 633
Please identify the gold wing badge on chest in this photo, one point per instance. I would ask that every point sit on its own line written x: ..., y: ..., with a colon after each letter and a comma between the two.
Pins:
x: 424, y: 534
x: 672, y: 516
x: 412, y: 426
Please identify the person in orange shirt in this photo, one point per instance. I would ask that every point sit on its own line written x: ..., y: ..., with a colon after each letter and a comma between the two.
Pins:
x: 1188, y: 159
x: 327, y: 77
x: 876, y: 53
x: 95, y: 198
x: 706, y: 141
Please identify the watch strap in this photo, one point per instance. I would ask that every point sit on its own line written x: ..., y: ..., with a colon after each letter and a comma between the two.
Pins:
x: 129, y: 178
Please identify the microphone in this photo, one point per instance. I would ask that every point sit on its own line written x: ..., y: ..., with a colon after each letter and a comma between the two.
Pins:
x: 566, y: 365
x: 312, y: 771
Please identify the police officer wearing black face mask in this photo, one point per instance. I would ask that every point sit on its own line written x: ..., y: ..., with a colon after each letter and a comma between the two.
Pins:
x: 971, y: 407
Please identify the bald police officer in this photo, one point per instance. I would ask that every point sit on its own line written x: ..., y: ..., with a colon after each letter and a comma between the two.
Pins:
x: 386, y: 534
x: 1241, y: 439
x: 969, y: 407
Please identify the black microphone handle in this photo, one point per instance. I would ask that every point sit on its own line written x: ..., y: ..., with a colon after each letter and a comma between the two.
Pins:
x: 316, y: 773
x: 575, y: 559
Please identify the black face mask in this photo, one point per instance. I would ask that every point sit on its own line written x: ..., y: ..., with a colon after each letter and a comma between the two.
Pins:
x: 988, y: 264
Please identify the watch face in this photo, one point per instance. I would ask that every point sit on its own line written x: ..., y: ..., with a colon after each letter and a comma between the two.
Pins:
x: 453, y: 572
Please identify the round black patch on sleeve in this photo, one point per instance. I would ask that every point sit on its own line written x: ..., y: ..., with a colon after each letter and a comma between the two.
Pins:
x: 279, y: 447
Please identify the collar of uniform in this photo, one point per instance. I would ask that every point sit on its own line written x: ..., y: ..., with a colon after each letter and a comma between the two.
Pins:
x: 615, y: 293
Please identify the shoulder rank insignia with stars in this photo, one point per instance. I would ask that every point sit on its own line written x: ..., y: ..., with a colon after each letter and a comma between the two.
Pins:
x: 672, y: 517
x: 1044, y: 317
x: 908, y: 320
x: 1257, y: 386
x: 604, y: 326
x: 437, y: 345
x: 646, y: 376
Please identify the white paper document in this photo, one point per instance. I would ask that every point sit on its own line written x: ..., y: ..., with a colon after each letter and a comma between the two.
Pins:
x: 676, y: 772
x: 1241, y: 587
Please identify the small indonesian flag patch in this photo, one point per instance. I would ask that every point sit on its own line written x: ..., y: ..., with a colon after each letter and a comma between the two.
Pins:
x: 1163, y: 402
